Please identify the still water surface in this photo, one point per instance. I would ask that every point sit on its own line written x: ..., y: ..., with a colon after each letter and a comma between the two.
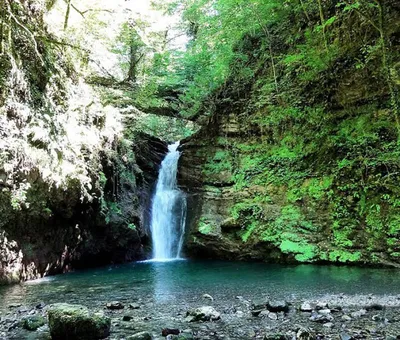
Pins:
x: 166, y: 283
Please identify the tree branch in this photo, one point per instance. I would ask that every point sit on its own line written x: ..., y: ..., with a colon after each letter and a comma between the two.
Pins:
x: 26, y: 30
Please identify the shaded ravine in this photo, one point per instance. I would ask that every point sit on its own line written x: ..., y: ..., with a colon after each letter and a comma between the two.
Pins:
x: 168, y: 213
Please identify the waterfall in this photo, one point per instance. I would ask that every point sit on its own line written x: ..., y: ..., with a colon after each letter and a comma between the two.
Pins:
x: 168, y: 212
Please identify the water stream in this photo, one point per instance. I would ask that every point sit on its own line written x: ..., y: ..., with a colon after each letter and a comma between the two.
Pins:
x: 168, y: 213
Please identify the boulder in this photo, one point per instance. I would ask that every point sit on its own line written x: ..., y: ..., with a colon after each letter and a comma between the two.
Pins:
x: 127, y: 318
x: 168, y: 331
x: 134, y: 306
x: 321, y: 305
x: 205, y: 313
x: 259, y: 304
x: 77, y: 322
x: 32, y: 323
x: 140, y: 336
x: 306, y: 307
x: 278, y: 306
x: 115, y: 305
x: 273, y: 316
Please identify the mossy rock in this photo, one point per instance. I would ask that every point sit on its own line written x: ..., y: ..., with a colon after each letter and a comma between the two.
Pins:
x: 77, y: 322
x: 32, y: 323
x: 140, y: 336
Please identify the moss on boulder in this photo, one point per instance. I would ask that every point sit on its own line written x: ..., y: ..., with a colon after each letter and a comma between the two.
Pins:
x: 77, y: 322
x: 32, y: 323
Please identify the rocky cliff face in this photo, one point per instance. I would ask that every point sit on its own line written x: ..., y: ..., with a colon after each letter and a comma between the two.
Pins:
x: 58, y: 231
x: 307, y: 171
x: 74, y: 187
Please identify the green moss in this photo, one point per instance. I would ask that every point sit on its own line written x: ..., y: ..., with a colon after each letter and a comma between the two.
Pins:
x: 32, y: 323
x: 205, y: 227
x: 249, y: 230
x: 303, y: 251
x: 220, y: 162
x: 75, y: 321
x: 344, y: 256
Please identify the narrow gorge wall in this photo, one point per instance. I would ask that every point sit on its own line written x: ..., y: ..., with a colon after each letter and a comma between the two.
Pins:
x: 74, y: 182
x: 307, y: 169
x: 58, y: 231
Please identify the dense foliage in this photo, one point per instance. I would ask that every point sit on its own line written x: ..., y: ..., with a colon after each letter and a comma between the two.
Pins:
x: 305, y: 97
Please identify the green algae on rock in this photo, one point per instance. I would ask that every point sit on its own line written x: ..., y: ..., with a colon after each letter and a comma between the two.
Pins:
x: 77, y: 322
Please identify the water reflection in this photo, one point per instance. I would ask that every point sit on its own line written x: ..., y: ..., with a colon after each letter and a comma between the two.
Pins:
x: 165, y: 280
x: 182, y: 280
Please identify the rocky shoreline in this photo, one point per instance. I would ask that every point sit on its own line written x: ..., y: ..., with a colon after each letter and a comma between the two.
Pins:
x: 333, y: 317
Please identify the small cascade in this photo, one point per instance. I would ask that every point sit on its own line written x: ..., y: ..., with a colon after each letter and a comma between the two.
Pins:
x: 168, y: 212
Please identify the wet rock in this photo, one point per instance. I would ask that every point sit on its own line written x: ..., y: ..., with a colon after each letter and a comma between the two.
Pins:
x: 304, y: 334
x: 76, y: 322
x: 324, y: 311
x: 208, y: 297
x: 23, y: 309
x: 140, y: 336
x: 182, y: 336
x: 168, y: 331
x: 263, y: 314
x: 278, y: 306
x: 321, y: 305
x: 260, y: 304
x: 374, y: 306
x: 257, y: 312
x: 378, y: 318
x: 134, y: 306
x: 358, y: 314
x: 345, y: 336
x: 346, y: 318
x: 14, y: 305
x: 275, y: 336
x: 114, y: 305
x: 205, y: 313
x: 273, y: 316
x: 321, y: 318
x: 40, y: 305
x: 127, y: 318
x: 13, y: 325
x: 32, y: 323
x: 306, y: 307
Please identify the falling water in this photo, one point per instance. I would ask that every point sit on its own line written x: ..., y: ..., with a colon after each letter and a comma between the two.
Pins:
x: 168, y: 214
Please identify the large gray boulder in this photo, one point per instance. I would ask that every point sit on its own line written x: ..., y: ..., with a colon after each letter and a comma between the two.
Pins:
x: 67, y: 322
x: 205, y: 313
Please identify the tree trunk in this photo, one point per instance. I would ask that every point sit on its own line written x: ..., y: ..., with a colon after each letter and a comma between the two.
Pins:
x: 67, y: 14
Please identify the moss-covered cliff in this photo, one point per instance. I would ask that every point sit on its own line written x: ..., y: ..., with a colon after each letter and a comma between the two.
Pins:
x: 299, y: 160
x: 74, y: 186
